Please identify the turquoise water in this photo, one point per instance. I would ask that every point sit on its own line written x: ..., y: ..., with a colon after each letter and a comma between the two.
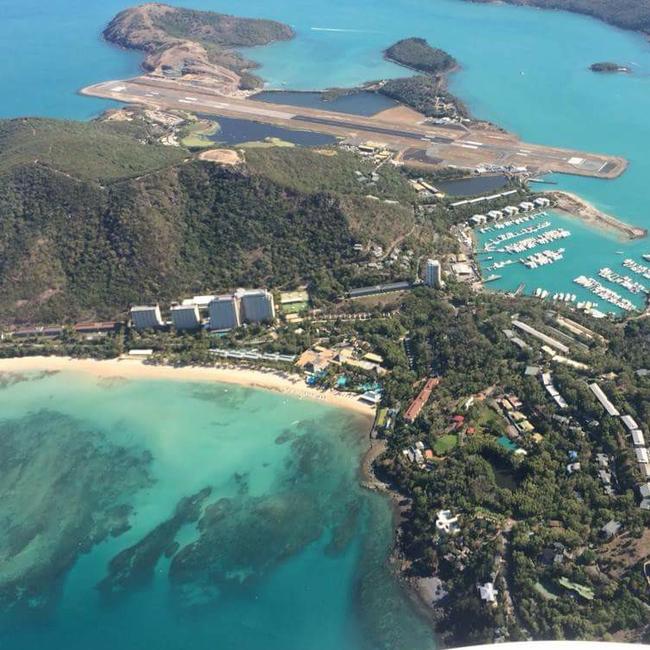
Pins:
x: 523, y: 68
x: 587, y: 251
x: 289, y: 551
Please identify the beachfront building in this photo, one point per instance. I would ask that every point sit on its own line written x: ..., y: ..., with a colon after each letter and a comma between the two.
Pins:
x: 257, y: 305
x: 511, y: 210
x: 146, y: 317
x: 224, y: 312
x: 186, y: 317
x: 495, y: 215
x: 478, y: 219
x: 542, y: 202
x: 433, y: 274
x: 526, y: 206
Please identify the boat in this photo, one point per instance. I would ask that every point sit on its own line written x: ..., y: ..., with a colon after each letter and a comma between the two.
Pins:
x: 491, y: 278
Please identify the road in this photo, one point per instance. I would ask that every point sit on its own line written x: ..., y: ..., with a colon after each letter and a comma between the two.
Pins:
x: 416, y: 143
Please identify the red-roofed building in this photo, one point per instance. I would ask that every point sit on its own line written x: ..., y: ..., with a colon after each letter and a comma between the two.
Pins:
x: 418, y: 403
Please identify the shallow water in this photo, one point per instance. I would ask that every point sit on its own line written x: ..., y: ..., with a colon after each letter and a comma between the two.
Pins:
x: 289, y: 551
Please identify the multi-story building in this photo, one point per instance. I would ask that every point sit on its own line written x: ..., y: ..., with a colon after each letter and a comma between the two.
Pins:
x: 224, y: 312
x: 145, y: 317
x: 433, y: 274
x: 257, y: 305
x: 186, y: 317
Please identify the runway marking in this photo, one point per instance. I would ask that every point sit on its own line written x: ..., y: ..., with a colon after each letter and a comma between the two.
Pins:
x: 465, y: 146
x: 478, y: 144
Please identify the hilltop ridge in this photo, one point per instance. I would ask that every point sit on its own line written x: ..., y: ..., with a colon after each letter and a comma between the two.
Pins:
x: 199, y: 44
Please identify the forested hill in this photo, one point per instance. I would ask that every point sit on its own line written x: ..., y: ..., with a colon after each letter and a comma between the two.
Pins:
x: 187, y: 41
x: 416, y: 53
x: 120, y: 222
x: 627, y: 14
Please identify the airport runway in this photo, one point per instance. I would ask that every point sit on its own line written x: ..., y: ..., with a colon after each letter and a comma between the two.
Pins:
x: 426, y: 144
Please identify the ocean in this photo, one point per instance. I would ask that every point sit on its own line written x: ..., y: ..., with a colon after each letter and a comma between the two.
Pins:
x: 281, y: 548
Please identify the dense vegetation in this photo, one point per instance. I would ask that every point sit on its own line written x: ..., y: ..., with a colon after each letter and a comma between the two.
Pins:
x: 85, y: 236
x: 628, y: 14
x: 416, y: 53
x: 424, y: 94
x: 97, y: 151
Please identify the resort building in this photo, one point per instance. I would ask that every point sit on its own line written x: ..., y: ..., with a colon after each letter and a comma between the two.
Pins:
x: 146, y: 317
x: 224, y: 313
x: 423, y: 397
x: 446, y: 523
x: 495, y: 215
x: 604, y: 400
x: 542, y: 202
x: 257, y: 305
x: 433, y: 274
x: 526, y: 206
x: 186, y: 317
x: 511, y: 210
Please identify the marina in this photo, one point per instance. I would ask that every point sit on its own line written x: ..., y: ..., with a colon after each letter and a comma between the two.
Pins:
x: 635, y: 267
x: 608, y: 295
x: 542, y: 259
x: 532, y: 242
x: 622, y: 280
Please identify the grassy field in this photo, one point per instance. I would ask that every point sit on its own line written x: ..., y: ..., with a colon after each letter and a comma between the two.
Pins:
x: 445, y: 444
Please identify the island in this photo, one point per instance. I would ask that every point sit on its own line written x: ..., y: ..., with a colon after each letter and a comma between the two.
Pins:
x: 426, y: 92
x: 509, y: 430
x: 608, y: 66
x: 193, y: 44
x: 416, y: 53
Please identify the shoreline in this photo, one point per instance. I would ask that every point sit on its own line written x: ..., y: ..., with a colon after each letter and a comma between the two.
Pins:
x: 574, y: 206
x: 127, y: 368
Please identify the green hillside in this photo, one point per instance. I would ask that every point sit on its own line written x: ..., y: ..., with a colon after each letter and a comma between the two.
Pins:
x: 72, y: 248
x: 100, y: 151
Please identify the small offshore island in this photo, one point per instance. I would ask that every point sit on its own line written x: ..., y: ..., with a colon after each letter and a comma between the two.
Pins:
x: 607, y: 66
x: 508, y: 430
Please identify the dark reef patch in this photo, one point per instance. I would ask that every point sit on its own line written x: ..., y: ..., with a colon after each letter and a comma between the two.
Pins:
x: 65, y: 488
x: 134, y: 566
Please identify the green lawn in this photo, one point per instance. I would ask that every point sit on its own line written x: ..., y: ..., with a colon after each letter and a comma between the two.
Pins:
x: 445, y: 444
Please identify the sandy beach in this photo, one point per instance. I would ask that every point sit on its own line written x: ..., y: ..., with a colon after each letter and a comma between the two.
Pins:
x: 128, y: 368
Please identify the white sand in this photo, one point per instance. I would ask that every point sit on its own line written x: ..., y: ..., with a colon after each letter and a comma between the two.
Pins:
x: 137, y: 369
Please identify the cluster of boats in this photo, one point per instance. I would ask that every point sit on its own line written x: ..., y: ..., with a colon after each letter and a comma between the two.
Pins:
x: 603, y: 292
x: 513, y: 234
x: 532, y: 242
x: 512, y: 222
x: 562, y: 297
x: 637, y: 268
x: 622, y: 280
x: 500, y: 265
x: 542, y: 259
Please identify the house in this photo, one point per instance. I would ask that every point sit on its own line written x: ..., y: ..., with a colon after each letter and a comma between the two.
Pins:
x: 610, y: 529
x: 488, y: 592
x: 573, y: 467
x: 447, y: 523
